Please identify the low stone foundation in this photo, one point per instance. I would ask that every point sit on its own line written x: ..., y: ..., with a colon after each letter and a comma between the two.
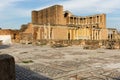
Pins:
x: 7, y: 67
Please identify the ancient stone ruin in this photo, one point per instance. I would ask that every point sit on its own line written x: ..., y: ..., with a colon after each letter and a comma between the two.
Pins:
x: 7, y: 67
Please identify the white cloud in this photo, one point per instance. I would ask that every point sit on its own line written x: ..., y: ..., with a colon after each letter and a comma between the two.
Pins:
x: 11, y: 15
x: 102, y: 6
x: 109, y: 6
x: 79, y: 6
x: 88, y: 6
x: 6, y: 3
x: 74, y: 4
x: 8, y: 9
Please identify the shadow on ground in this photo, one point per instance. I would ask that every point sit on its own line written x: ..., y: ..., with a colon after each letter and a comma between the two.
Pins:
x: 26, y: 74
x: 4, y: 46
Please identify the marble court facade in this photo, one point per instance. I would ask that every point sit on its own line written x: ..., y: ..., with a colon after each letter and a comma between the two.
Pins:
x: 53, y: 23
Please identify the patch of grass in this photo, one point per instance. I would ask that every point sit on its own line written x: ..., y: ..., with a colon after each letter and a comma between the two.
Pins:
x: 27, y: 61
x: 90, y: 47
x: 100, y: 52
x: 41, y: 43
x: 23, y: 52
x: 57, y: 45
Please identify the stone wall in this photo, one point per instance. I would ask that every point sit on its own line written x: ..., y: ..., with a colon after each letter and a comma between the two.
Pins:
x: 59, y: 33
x: 52, y: 15
x: 14, y: 34
x: 104, y: 34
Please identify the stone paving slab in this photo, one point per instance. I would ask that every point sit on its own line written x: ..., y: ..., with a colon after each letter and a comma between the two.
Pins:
x: 46, y: 63
x: 26, y: 74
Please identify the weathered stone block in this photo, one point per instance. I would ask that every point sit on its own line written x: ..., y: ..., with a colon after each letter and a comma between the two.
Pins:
x: 7, y: 67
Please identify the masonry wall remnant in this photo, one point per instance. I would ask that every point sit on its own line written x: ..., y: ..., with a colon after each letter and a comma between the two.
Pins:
x: 12, y: 34
x: 7, y: 67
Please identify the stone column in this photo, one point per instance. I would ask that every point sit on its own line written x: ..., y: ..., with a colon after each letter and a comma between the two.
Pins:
x: 73, y: 20
x: 93, y: 34
x: 44, y: 33
x: 77, y: 33
x: 76, y: 20
x: 71, y: 34
x: 80, y: 21
x: 91, y: 20
x: 96, y: 34
x: 49, y: 31
x: 96, y: 20
x: 86, y: 20
x: 99, y: 34
x: 83, y: 21
x: 69, y: 20
x: 74, y: 36
x: 86, y: 32
x: 7, y: 67
x: 99, y: 19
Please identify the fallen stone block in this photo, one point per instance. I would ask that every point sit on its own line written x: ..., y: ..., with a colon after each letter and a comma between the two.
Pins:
x: 7, y: 67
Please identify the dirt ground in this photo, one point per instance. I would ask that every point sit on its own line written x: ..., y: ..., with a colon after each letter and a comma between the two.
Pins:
x: 65, y: 63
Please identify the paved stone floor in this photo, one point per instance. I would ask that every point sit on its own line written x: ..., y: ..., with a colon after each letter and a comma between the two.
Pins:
x: 46, y: 63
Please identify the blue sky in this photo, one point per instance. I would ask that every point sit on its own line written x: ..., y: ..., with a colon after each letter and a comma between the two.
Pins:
x: 14, y: 13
